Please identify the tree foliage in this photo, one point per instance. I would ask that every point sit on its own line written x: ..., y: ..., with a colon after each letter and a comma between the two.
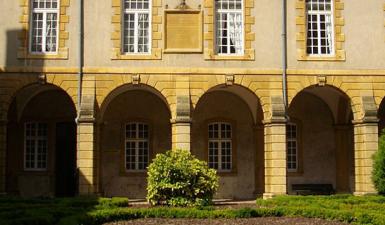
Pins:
x: 378, y: 174
x: 177, y: 178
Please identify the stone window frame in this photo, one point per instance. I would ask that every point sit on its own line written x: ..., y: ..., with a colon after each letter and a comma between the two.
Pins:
x: 156, y: 34
x: 24, y: 36
x: 233, y: 170
x: 339, y: 36
x: 36, y: 138
x: 209, y: 33
x: 299, y: 170
x: 123, y: 170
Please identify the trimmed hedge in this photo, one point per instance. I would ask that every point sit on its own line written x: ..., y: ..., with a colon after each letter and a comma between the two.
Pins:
x: 96, y: 211
x: 20, y: 211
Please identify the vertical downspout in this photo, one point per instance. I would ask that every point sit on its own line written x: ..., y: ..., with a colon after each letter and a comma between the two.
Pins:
x: 284, y: 57
x: 284, y: 67
x: 81, y: 60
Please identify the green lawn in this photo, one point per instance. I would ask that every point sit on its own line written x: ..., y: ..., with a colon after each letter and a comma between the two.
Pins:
x: 89, y: 211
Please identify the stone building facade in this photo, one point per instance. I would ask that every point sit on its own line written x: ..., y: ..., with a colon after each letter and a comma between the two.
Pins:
x: 86, y: 115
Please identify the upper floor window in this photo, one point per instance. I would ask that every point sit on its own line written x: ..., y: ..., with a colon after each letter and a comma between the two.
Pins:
x: 44, y: 26
x: 136, y: 26
x: 35, y: 146
x: 229, y: 27
x: 220, y: 146
x: 320, y: 34
x: 136, y: 146
x: 292, y: 147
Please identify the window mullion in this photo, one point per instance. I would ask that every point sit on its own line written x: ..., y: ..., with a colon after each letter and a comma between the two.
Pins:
x: 36, y: 146
x: 319, y: 33
x: 136, y: 22
x: 228, y: 29
x: 44, y: 30
x: 137, y: 147
x: 220, y: 146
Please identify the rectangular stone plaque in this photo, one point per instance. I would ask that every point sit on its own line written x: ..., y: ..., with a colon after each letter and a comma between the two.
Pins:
x: 183, y: 31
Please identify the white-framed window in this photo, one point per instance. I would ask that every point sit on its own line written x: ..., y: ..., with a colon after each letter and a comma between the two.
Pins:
x: 220, y: 146
x: 35, y: 146
x: 292, y: 147
x: 44, y: 25
x: 136, y: 146
x: 320, y: 27
x: 136, y: 27
x: 229, y: 27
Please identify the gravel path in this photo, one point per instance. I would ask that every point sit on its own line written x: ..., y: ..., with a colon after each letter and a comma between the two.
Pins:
x: 251, y: 221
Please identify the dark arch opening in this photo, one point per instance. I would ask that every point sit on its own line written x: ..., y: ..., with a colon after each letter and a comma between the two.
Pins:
x: 41, y: 143
x: 324, y: 143
x: 241, y: 109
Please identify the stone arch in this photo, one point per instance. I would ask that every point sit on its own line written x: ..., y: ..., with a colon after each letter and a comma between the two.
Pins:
x: 324, y: 138
x: 51, y: 107
x: 131, y: 108
x: 241, y: 108
x: 335, y: 84
x: 130, y: 87
x: 249, y: 97
x: 211, y: 82
x: 356, y: 113
x: 43, y: 82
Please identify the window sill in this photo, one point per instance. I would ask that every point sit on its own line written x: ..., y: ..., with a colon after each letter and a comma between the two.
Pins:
x: 227, y: 173
x: 295, y: 174
x: 132, y: 173
x: 248, y: 56
x: 156, y: 53
x: 23, y: 53
x: 339, y: 56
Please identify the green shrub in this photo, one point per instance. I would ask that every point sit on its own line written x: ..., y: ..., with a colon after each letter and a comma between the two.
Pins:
x: 378, y: 174
x: 177, y: 178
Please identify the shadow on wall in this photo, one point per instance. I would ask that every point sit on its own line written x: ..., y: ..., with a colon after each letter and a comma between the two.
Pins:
x: 16, y: 55
x: 34, y: 101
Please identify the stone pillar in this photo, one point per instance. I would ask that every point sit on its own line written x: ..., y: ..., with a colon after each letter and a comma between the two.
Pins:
x: 87, y: 158
x: 365, y: 145
x: 181, y: 135
x: 3, y: 149
x: 181, y: 123
x: 275, y: 151
x: 87, y: 154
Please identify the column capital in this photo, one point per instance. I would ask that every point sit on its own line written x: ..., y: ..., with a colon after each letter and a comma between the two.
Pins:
x: 85, y: 120
x: 181, y: 120
x: 367, y: 121
x: 280, y: 120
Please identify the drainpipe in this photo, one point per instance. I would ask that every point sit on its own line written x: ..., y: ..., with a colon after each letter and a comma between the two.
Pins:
x: 284, y: 57
x: 284, y: 68
x: 81, y: 59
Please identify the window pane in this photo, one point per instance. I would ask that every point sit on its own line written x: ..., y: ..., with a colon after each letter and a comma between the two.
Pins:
x: 36, y: 145
x: 319, y: 27
x: 229, y: 26
x: 137, y: 146
x: 51, y: 32
x: 291, y: 145
x: 136, y: 26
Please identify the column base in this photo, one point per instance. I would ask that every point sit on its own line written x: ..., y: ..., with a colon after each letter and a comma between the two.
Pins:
x: 272, y: 195
x: 364, y: 193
